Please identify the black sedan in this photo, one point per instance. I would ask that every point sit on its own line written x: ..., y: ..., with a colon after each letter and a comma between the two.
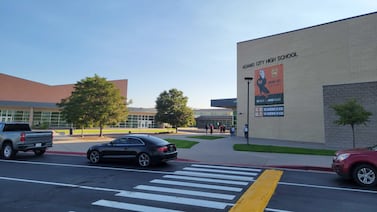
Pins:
x: 146, y: 149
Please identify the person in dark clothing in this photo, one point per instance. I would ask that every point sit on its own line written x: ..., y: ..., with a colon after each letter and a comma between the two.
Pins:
x: 232, y: 131
x: 261, y: 82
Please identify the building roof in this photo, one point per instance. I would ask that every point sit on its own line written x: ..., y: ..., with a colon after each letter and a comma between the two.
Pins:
x: 21, y: 90
x: 225, y: 103
x: 28, y: 104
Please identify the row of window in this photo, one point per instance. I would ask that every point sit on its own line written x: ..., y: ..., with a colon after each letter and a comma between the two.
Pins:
x: 14, y: 115
x: 47, y: 119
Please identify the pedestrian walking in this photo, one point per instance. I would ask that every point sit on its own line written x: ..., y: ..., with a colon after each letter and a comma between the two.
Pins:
x: 246, y: 131
x: 232, y: 131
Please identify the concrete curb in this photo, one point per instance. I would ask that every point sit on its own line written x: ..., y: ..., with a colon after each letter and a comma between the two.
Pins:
x: 311, y: 168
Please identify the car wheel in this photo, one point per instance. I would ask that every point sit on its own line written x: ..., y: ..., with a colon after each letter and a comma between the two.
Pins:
x: 365, y: 175
x: 39, y: 152
x: 94, y: 156
x: 7, y: 151
x: 143, y: 159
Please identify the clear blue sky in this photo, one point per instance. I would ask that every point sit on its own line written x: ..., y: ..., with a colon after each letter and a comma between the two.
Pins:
x: 157, y: 45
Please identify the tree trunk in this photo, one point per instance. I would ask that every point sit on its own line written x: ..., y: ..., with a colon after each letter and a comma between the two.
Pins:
x: 100, y: 131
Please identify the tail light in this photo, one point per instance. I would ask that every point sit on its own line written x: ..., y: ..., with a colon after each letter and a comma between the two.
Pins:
x: 162, y: 149
x: 22, y: 137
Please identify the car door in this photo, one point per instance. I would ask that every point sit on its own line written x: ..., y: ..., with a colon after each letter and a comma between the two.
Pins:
x: 135, y: 146
x: 116, y: 149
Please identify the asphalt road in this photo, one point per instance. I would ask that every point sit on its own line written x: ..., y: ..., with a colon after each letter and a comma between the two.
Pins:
x: 321, y: 191
x: 70, y: 184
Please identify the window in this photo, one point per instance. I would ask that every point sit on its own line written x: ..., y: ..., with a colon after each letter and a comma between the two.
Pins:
x: 120, y: 141
x: 16, y: 127
x: 134, y: 141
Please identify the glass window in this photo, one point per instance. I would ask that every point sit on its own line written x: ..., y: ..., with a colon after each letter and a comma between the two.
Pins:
x: 55, y: 119
x: 134, y: 141
x: 120, y: 141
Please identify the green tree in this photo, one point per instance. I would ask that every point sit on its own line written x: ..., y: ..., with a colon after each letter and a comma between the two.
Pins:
x: 351, y: 113
x: 73, y: 111
x: 172, y: 109
x: 95, y: 102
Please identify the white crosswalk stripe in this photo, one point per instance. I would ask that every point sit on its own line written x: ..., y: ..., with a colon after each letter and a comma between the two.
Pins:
x: 219, y: 176
x: 175, y: 199
x: 227, y: 168
x: 220, y: 171
x: 187, y: 192
x: 199, y: 185
x: 230, y: 182
x: 128, y: 206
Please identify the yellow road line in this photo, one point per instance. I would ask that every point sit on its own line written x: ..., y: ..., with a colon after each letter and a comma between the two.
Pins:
x: 259, y: 193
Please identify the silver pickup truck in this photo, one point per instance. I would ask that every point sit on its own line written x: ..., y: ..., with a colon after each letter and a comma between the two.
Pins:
x: 16, y: 137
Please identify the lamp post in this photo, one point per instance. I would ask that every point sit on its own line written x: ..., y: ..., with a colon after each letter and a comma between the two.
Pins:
x: 248, y: 79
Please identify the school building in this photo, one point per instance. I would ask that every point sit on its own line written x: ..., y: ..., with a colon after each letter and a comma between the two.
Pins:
x: 288, y: 82
x: 22, y: 100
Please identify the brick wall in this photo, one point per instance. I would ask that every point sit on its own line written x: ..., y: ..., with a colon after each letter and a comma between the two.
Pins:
x: 18, y: 89
x: 341, y: 136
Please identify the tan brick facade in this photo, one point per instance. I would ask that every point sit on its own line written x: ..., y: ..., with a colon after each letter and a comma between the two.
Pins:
x: 299, y: 64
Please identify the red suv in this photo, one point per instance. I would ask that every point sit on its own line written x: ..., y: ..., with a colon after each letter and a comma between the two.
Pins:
x: 357, y: 164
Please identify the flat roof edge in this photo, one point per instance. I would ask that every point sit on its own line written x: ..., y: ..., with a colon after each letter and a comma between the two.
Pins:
x: 305, y: 28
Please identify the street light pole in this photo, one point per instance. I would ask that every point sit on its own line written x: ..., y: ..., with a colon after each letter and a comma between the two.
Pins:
x: 248, y: 79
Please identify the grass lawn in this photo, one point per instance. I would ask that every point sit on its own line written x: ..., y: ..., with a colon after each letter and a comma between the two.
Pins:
x: 206, y: 137
x: 282, y: 149
x: 182, y: 143
x: 117, y: 130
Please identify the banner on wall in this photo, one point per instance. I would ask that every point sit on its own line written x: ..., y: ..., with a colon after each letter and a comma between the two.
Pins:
x: 269, y: 111
x: 268, y: 86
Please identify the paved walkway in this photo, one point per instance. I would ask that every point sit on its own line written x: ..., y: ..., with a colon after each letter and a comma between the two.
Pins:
x: 218, y: 151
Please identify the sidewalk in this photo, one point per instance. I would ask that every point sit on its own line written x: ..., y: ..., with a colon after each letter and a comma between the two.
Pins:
x: 219, y: 151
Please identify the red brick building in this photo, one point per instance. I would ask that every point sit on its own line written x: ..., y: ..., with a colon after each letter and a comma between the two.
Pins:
x: 23, y: 100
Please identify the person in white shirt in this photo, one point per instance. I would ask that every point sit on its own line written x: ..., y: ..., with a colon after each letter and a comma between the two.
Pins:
x: 246, y: 131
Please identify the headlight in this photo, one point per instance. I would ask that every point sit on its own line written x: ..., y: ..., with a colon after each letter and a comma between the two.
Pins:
x: 343, y: 156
